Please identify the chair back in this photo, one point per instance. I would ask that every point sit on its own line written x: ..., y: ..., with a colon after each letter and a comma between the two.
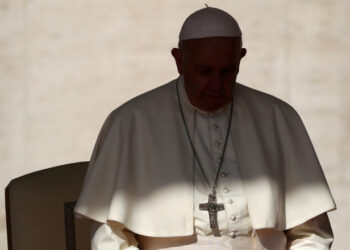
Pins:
x: 39, y: 210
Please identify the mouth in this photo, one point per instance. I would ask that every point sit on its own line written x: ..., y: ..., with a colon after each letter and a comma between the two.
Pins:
x: 215, y: 95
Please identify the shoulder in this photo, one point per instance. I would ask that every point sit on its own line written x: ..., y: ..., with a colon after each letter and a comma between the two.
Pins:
x: 145, y: 103
x: 261, y: 100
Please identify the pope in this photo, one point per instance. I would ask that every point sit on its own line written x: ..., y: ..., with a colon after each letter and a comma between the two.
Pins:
x: 205, y: 162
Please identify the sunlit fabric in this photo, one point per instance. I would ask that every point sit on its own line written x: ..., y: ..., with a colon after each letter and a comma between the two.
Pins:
x: 113, y: 236
x: 315, y: 234
x: 142, y: 164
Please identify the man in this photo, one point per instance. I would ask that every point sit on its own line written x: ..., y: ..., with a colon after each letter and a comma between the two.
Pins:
x: 204, y: 162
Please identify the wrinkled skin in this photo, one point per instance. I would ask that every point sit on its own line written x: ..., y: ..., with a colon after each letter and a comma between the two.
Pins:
x: 210, y: 67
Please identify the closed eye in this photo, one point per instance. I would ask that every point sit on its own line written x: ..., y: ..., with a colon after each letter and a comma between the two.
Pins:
x: 204, y: 70
x: 228, y: 70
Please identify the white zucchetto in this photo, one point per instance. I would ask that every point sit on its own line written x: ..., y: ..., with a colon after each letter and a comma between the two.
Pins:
x: 209, y: 22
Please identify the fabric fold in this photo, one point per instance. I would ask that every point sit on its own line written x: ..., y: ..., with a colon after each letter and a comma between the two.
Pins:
x: 141, y: 171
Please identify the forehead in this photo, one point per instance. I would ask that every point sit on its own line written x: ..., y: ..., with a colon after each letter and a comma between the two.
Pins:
x: 210, y: 41
x: 220, y: 50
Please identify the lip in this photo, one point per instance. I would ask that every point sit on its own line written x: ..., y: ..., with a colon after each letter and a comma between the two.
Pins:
x: 215, y: 96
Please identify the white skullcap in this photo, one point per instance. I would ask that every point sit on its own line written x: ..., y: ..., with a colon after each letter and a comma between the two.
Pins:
x: 209, y: 22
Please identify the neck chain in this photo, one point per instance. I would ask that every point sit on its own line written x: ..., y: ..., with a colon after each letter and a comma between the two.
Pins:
x: 212, y: 207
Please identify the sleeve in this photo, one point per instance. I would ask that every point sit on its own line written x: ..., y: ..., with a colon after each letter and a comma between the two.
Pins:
x: 113, y: 236
x: 270, y: 239
x: 314, y: 234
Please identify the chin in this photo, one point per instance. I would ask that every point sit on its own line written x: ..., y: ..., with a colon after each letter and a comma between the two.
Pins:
x: 214, y: 105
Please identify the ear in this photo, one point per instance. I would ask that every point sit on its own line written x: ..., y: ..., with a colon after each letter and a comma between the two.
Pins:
x: 243, y: 52
x: 178, y: 60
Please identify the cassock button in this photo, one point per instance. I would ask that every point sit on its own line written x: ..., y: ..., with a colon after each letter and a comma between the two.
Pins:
x: 233, y: 234
x: 226, y: 190
x: 216, y: 127
x: 217, y: 144
x: 230, y: 201
x: 218, y: 160
x: 233, y: 218
x: 223, y: 174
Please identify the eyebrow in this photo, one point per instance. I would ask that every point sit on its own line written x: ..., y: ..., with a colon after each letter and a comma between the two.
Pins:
x: 230, y: 66
x: 208, y: 67
x: 203, y: 67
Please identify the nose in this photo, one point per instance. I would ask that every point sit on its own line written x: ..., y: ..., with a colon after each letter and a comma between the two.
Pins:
x: 216, y: 82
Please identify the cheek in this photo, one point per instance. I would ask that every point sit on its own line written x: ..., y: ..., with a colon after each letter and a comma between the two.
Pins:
x: 230, y: 79
x: 201, y: 85
x: 198, y: 83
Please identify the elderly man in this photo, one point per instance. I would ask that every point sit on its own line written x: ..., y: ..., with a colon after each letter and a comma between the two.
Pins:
x: 204, y: 162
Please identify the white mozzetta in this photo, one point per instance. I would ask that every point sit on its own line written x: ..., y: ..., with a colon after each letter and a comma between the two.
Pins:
x: 141, y: 168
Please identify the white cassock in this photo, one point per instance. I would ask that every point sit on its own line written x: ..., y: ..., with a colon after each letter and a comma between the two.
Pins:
x: 144, y: 185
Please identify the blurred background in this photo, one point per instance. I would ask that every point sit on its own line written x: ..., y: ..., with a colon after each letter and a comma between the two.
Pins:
x: 65, y: 65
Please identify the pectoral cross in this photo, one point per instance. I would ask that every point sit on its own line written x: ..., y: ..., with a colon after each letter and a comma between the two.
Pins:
x: 212, y: 207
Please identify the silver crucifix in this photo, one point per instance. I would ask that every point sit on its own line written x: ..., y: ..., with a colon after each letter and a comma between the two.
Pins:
x: 212, y: 207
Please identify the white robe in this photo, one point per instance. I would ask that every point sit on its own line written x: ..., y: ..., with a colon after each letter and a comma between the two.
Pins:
x: 142, y: 164
x: 315, y: 234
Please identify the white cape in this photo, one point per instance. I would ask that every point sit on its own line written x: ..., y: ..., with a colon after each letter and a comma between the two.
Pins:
x: 141, y: 174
